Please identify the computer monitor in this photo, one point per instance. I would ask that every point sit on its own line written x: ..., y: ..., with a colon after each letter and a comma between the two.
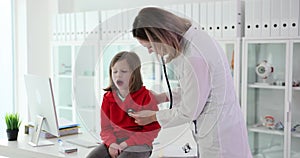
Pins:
x: 41, y: 108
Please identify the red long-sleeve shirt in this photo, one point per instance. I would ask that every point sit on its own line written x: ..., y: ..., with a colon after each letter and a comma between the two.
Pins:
x: 116, y: 123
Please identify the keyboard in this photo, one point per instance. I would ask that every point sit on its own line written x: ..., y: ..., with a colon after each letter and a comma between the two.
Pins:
x: 82, y: 142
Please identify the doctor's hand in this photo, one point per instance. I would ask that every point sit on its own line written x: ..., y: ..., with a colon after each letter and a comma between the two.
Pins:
x: 144, y: 117
x: 161, y: 98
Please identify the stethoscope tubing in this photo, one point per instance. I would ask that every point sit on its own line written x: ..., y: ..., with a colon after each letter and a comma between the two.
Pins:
x: 168, y: 83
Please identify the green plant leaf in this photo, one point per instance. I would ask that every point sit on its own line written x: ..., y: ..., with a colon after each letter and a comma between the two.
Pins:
x: 12, y: 121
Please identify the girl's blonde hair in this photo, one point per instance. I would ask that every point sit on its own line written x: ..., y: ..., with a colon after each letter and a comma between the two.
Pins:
x: 162, y: 28
x: 134, y: 62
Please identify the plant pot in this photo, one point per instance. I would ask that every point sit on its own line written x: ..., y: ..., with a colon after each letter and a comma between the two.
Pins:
x: 12, y: 134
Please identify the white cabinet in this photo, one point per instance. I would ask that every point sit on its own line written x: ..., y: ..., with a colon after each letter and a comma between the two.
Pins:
x: 74, y: 81
x: 85, y: 43
x: 269, y: 98
x: 62, y: 80
x: 232, y: 47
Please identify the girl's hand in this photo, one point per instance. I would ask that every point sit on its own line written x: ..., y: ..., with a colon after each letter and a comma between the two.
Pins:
x: 123, y: 145
x: 144, y: 117
x: 114, y: 150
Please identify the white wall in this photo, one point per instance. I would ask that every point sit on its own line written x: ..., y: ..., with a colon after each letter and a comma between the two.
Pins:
x: 33, y: 42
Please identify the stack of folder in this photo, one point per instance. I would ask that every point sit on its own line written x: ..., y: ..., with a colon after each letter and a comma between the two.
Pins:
x: 66, y: 127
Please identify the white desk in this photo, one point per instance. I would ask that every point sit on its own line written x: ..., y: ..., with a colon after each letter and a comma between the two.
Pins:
x: 170, y: 137
x: 21, y: 148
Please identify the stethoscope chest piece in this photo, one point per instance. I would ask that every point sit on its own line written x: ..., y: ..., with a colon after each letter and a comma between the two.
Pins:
x: 130, y: 111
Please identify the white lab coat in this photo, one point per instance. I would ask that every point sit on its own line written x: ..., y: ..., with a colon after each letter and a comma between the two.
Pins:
x: 206, y: 94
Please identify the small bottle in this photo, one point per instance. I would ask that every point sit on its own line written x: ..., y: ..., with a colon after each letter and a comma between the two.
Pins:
x: 60, y: 145
x: 66, y: 147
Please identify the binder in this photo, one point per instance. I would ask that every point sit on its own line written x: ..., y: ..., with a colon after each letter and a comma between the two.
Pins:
x: 111, y: 24
x: 103, y: 26
x: 188, y: 10
x: 61, y: 27
x: 225, y: 18
x: 131, y: 16
x: 79, y: 25
x: 72, y: 27
x: 266, y: 18
x: 294, y: 18
x: 257, y: 17
x: 91, y: 25
x: 196, y: 14
x: 181, y: 10
x: 54, y: 28
x: 126, y: 26
x: 203, y: 16
x: 118, y: 22
x: 235, y: 18
x: 68, y: 27
x: 218, y: 19
x: 174, y: 9
x: 284, y: 20
x: 275, y: 18
x: 249, y: 6
x: 210, y: 18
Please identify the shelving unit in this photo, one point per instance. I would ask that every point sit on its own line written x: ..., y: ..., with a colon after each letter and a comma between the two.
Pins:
x: 279, y: 101
x: 232, y: 48
x: 85, y: 42
x: 74, y: 78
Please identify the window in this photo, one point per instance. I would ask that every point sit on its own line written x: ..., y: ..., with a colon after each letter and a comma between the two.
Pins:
x: 6, y: 62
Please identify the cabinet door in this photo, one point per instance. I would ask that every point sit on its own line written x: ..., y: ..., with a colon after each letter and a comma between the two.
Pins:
x: 232, y: 52
x: 62, y: 62
x: 295, y: 105
x: 84, y: 86
x: 265, y: 68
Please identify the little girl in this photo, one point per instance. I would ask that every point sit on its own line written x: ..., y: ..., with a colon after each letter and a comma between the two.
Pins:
x: 121, y: 136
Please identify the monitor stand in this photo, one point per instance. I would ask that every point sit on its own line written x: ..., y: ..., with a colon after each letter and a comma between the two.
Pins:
x: 35, y: 142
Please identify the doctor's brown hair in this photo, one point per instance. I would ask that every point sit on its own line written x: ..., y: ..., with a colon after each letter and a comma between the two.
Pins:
x: 161, y: 27
x: 134, y: 63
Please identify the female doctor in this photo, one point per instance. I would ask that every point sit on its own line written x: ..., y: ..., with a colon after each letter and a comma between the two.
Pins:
x: 206, y: 95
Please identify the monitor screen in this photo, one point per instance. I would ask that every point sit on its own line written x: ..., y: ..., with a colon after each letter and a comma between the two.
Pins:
x: 41, y: 103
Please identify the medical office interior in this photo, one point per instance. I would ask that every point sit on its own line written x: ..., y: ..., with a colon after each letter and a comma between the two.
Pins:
x: 73, y: 41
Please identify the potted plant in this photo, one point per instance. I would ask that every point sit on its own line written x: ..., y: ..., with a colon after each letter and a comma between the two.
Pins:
x: 13, y: 123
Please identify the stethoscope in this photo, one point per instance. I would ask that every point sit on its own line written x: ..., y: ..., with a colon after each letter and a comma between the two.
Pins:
x: 168, y: 84
x: 186, y: 148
